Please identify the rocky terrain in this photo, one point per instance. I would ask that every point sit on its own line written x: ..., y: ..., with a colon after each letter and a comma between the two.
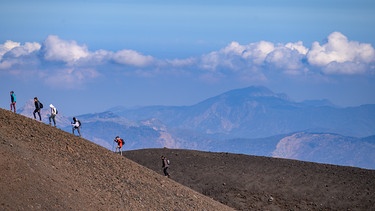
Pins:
x: 263, y: 183
x: 45, y: 168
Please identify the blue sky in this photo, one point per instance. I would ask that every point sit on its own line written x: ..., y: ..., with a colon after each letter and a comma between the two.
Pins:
x: 88, y: 56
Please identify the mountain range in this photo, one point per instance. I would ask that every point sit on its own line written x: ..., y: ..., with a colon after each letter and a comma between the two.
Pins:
x: 46, y: 168
x: 252, y: 120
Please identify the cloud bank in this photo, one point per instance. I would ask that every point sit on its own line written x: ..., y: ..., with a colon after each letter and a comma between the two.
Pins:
x: 75, y: 62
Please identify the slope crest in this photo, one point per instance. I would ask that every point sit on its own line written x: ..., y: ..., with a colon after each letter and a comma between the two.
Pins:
x: 44, y: 168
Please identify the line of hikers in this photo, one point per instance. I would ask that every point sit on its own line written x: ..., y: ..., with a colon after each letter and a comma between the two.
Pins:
x: 76, y: 124
x: 165, y: 162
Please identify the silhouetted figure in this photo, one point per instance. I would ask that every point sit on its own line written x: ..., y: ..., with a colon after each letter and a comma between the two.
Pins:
x: 38, y: 106
x: 165, y: 166
x: 120, y: 142
x: 53, y: 115
x: 13, y: 101
x: 76, y: 124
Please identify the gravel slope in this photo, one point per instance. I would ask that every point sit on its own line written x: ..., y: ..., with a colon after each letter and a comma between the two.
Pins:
x: 44, y: 168
x: 262, y: 183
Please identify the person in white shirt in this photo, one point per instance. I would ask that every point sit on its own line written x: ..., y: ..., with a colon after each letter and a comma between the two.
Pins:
x: 53, y: 115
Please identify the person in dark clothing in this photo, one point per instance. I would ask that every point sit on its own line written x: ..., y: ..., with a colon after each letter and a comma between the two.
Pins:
x: 13, y: 101
x: 76, y: 124
x: 165, y: 166
x: 38, y: 106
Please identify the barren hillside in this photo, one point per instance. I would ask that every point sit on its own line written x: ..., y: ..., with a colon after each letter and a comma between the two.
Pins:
x: 44, y: 168
x: 263, y: 183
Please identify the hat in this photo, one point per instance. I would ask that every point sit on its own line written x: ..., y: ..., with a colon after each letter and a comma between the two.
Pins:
x: 51, y: 106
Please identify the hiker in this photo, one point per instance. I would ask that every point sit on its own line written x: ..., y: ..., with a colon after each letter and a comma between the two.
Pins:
x: 13, y: 101
x: 53, y: 115
x: 165, y: 165
x: 76, y: 124
x: 38, y: 106
x: 120, y: 142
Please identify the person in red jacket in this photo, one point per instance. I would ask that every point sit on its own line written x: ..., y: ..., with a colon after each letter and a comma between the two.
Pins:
x: 120, y: 142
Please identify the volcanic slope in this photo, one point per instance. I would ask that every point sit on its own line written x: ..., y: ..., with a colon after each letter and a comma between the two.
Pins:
x: 44, y: 168
x: 263, y: 183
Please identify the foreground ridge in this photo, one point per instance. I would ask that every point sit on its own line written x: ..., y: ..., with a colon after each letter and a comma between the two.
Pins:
x: 262, y: 183
x: 44, y: 168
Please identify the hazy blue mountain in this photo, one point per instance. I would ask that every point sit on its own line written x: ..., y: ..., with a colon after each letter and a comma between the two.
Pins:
x: 256, y: 112
x: 316, y: 103
x: 253, y: 120
x: 327, y: 148
x: 314, y: 147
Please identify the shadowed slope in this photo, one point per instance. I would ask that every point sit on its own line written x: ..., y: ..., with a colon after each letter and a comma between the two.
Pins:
x: 263, y: 183
x: 44, y: 168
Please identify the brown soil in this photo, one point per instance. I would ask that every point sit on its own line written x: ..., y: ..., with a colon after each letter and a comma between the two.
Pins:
x: 262, y: 183
x: 44, y: 168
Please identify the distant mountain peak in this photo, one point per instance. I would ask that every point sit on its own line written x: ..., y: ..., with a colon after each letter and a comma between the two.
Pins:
x: 252, y: 92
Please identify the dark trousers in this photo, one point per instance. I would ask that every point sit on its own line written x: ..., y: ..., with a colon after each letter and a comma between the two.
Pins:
x: 76, y: 128
x: 13, y: 106
x: 52, y: 117
x: 165, y: 170
x: 37, y: 111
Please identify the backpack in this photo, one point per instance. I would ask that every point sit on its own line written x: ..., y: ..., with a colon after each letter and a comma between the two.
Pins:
x: 57, y: 111
x: 79, y: 123
x: 40, y: 105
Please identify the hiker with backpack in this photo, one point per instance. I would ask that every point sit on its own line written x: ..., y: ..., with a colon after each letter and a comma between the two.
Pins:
x: 120, y: 142
x: 76, y: 124
x: 13, y: 101
x: 53, y: 114
x: 165, y: 166
x: 38, y: 106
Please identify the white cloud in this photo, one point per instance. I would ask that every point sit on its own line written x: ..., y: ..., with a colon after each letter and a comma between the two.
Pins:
x: 210, y: 61
x: 349, y: 68
x: 337, y: 56
x: 95, y: 58
x: 341, y: 56
x: 181, y: 62
x: 249, y: 59
x: 236, y: 56
x: 11, y: 53
x: 254, y: 61
x: 233, y: 48
x: 286, y: 59
x: 7, y: 46
x: 26, y: 49
x: 298, y: 46
x: 130, y: 57
x: 70, y: 78
x: 15, y: 49
x: 257, y: 52
x: 62, y: 50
